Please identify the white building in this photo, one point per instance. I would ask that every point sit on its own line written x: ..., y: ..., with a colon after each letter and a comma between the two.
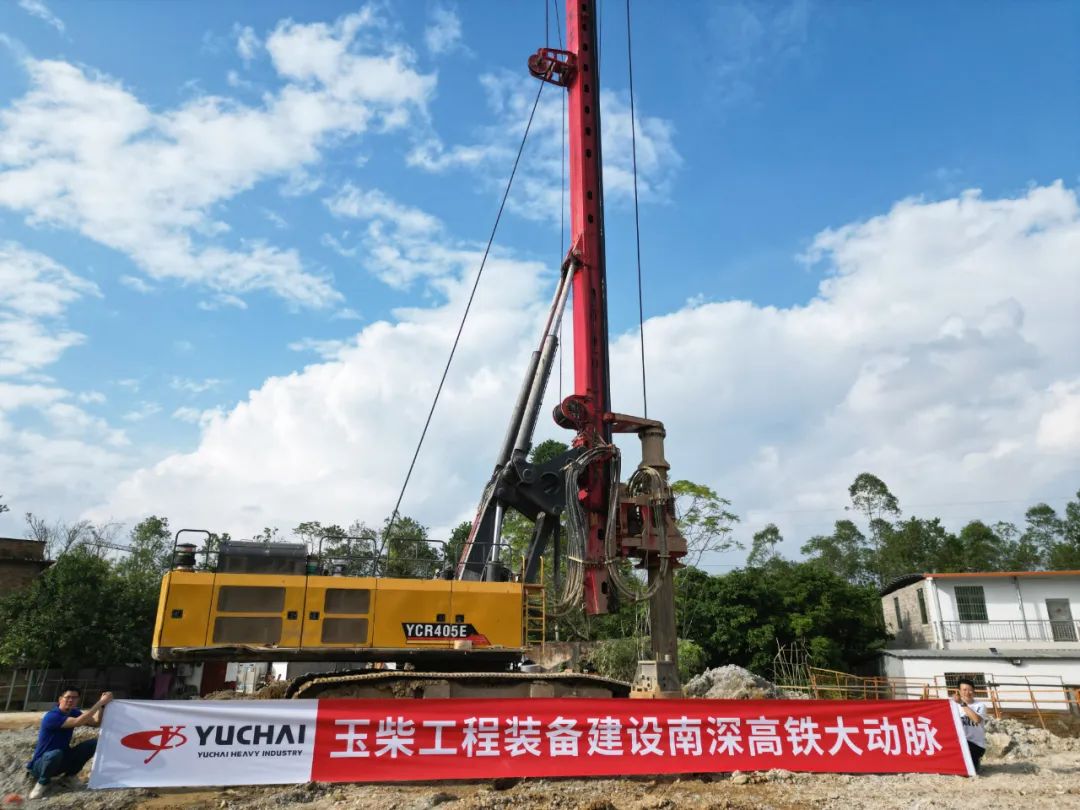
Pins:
x: 1013, y: 633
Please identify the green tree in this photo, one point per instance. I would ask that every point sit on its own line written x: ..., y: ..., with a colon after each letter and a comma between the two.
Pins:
x: 311, y: 534
x: 1018, y: 553
x: 408, y: 551
x: 911, y: 546
x: 704, y: 520
x: 547, y: 450
x: 763, y: 548
x: 871, y: 497
x: 1065, y: 554
x: 82, y: 611
x: 60, y: 537
x: 1044, y: 530
x: 269, y: 534
x: 352, y: 550
x: 982, y: 549
x: 692, y: 596
x: 618, y: 658
x: 844, y: 552
x: 3, y: 506
x: 746, y: 613
x: 456, y: 544
x: 206, y: 558
x: 150, y: 555
x: 951, y: 556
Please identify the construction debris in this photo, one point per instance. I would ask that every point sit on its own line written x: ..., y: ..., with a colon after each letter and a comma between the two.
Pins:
x: 733, y: 683
x: 1013, y: 740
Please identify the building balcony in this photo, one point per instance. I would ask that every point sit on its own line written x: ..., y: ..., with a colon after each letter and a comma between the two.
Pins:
x: 1017, y: 632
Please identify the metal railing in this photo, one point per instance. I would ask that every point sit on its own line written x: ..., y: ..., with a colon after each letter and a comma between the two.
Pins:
x: 335, y: 555
x: 1019, y: 696
x: 1048, y: 631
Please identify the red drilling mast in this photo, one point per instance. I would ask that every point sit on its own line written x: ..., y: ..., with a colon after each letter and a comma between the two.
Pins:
x: 592, y: 382
x: 608, y: 523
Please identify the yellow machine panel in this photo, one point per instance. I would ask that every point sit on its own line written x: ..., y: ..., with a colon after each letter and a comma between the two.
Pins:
x: 256, y: 616
x: 183, y: 609
x: 259, y: 609
x: 494, y: 609
x: 399, y: 602
x: 338, y: 612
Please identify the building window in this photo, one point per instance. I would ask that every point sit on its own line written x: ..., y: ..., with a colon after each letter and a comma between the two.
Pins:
x: 896, y: 607
x: 970, y: 603
x: 922, y: 606
x: 977, y: 678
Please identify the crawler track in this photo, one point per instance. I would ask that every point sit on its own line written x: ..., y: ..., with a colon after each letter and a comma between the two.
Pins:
x: 409, y: 684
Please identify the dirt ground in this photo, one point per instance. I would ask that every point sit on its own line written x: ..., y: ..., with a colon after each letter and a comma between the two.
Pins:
x: 1024, y: 768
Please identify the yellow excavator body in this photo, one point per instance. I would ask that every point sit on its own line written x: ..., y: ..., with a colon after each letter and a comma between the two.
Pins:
x: 205, y: 615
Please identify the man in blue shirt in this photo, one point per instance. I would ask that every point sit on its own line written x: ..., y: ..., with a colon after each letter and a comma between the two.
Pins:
x: 54, y: 754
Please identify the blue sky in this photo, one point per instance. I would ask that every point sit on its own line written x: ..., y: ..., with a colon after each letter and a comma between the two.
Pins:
x: 235, y: 205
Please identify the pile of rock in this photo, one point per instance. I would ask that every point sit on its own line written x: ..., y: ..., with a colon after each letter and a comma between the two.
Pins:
x: 1012, y: 739
x: 733, y: 683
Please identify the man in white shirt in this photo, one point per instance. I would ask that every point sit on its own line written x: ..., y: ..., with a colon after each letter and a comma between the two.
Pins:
x: 972, y: 715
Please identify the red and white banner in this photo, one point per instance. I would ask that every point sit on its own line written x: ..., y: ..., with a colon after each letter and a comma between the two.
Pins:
x: 150, y: 744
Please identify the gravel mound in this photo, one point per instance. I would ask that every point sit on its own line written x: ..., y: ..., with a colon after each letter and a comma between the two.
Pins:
x: 272, y: 691
x: 733, y: 683
x: 1013, y: 739
x: 16, y: 748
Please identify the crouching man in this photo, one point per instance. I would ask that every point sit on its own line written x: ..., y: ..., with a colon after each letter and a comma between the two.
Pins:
x: 972, y: 716
x: 54, y: 755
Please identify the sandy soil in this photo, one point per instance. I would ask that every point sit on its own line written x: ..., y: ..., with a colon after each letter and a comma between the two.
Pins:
x: 1025, y: 768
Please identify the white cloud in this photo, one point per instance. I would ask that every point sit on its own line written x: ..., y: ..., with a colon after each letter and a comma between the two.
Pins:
x: 401, y: 243
x: 194, y: 386
x: 69, y: 420
x: 311, y: 433
x: 332, y: 242
x: 443, y: 33
x: 751, y: 40
x: 538, y: 186
x: 221, y: 301
x: 326, y: 349
x: 247, y: 42
x: 42, y: 12
x: 37, y: 292
x: 137, y: 284
x: 144, y: 410
x: 275, y: 219
x: 1059, y: 425
x: 80, y: 151
x: 375, y: 205
x: 939, y: 353
x: 196, y: 416
x: 58, y: 460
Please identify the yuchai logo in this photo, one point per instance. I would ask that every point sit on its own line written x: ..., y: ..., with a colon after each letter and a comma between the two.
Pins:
x: 224, y: 740
x: 158, y: 740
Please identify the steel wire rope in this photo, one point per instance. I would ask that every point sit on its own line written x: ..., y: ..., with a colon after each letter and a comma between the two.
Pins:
x: 637, y: 220
x: 461, y: 326
x: 644, y: 480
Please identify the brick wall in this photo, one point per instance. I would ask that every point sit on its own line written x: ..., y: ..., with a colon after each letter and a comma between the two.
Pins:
x: 911, y: 632
x: 14, y: 548
x: 20, y: 562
